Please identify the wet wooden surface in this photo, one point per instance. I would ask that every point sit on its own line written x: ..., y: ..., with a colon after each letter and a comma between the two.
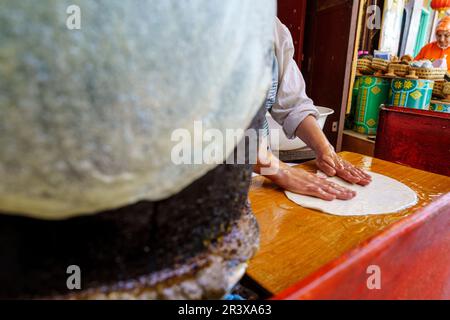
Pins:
x: 296, y: 241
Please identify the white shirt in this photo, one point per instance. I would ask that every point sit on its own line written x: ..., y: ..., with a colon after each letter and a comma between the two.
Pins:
x: 292, y: 105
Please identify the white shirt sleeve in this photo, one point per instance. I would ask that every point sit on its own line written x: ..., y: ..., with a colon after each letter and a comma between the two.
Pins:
x: 292, y: 105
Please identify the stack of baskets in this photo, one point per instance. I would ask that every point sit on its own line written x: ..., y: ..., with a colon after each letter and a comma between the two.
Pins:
x: 380, y: 64
x: 430, y: 73
x: 438, y: 89
x: 364, y: 66
x: 399, y: 69
x: 446, y: 89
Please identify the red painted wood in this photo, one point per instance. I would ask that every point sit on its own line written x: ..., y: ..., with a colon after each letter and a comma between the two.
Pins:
x: 292, y: 14
x: 413, y: 256
x: 327, y: 38
x: 417, y: 138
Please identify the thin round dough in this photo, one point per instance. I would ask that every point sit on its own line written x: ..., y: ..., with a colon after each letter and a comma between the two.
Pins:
x: 383, y: 196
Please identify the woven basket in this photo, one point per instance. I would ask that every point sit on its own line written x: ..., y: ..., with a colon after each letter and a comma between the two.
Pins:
x: 446, y: 88
x: 430, y: 73
x: 438, y: 89
x: 399, y: 69
x: 380, y: 64
x: 365, y: 66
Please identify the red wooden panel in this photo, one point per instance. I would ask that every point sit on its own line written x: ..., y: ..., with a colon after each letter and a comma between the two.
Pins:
x: 413, y: 257
x: 417, y: 138
x: 326, y: 49
x: 292, y: 14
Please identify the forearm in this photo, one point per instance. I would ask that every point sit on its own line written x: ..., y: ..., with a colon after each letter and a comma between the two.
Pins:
x: 310, y: 133
x: 270, y: 166
x: 327, y: 160
x: 299, y: 181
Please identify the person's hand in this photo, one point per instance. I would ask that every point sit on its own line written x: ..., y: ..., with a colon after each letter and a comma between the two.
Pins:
x: 333, y: 165
x: 302, y: 182
x: 327, y: 159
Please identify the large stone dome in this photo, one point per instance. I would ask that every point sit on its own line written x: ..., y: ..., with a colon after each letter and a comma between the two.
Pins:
x: 86, y: 116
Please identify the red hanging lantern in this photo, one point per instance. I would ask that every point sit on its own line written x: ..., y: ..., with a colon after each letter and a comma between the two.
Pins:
x: 440, y: 5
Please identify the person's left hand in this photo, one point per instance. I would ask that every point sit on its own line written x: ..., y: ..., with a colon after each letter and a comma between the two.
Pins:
x: 333, y: 165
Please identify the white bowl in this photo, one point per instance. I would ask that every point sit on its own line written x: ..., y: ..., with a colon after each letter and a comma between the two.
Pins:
x: 285, y: 144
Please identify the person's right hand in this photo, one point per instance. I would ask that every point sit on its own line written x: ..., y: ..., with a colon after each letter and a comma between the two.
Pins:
x: 302, y: 182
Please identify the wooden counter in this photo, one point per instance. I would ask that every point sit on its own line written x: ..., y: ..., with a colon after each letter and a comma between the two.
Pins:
x: 295, y: 241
